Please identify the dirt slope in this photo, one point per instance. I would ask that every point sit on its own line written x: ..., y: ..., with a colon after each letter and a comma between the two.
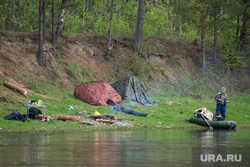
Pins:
x: 81, y: 58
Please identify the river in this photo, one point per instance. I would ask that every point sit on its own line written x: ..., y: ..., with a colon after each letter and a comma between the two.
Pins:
x: 169, y: 147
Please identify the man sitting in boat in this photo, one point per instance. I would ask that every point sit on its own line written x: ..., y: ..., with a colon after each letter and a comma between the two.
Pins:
x: 221, y: 99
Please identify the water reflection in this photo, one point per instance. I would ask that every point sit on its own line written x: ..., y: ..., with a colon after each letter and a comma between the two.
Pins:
x: 179, y: 147
x: 215, y: 146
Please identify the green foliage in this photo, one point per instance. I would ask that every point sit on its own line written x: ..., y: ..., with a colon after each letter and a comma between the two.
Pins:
x: 173, y: 20
x: 157, y: 22
x: 120, y: 26
x: 75, y: 71
x: 73, y: 24
x: 234, y: 59
x: 140, y: 66
x: 38, y: 85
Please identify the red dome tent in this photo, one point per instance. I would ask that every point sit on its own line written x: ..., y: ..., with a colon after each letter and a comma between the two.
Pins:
x: 97, y: 93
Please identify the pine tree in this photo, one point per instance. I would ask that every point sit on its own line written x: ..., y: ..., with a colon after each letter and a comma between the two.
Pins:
x: 139, y: 25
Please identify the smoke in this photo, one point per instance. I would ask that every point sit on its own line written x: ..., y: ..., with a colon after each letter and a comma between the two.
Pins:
x: 201, y: 83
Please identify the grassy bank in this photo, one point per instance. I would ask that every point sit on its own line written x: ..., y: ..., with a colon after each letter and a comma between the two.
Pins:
x: 170, y: 76
x: 164, y: 114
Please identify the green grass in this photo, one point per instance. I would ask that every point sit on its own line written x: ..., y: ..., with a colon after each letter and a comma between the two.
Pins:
x: 163, y: 114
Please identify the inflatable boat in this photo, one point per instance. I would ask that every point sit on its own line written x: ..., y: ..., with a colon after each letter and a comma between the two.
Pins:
x: 214, y: 124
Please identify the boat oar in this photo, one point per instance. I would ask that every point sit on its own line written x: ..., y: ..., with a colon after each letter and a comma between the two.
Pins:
x: 210, y: 127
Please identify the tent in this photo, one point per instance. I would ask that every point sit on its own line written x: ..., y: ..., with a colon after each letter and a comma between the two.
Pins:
x: 132, y: 88
x: 97, y: 93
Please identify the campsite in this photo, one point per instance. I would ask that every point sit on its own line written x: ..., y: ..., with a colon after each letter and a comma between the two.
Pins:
x: 169, y: 112
x: 124, y: 83
x: 176, y: 98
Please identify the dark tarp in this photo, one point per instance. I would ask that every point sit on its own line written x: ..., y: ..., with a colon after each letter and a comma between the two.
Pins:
x: 132, y: 88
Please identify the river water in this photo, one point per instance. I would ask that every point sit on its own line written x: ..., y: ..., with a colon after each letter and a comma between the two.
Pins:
x: 170, y: 147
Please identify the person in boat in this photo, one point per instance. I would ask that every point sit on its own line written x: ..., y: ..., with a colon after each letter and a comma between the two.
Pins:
x: 221, y: 99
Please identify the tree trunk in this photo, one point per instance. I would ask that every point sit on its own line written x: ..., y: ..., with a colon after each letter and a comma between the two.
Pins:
x: 244, y: 33
x: 9, y: 24
x: 238, y: 25
x: 83, y: 14
x: 53, y: 23
x: 61, y: 20
x: 245, y: 25
x: 203, y: 66
x: 44, y: 30
x: 215, y: 38
x: 40, y: 42
x: 139, y: 26
x: 109, y: 32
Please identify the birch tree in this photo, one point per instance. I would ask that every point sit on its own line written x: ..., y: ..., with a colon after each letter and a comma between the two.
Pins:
x: 61, y: 18
x: 109, y: 47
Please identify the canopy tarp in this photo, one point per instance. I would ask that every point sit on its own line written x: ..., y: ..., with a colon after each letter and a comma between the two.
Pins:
x: 133, y: 89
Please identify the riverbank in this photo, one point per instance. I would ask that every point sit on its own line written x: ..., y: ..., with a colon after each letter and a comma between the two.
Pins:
x: 169, y: 70
x: 168, y: 112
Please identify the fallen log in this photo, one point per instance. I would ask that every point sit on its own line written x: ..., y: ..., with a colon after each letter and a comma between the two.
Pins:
x: 69, y: 118
x: 104, y: 116
x: 40, y: 116
x: 95, y: 116
x: 21, y: 90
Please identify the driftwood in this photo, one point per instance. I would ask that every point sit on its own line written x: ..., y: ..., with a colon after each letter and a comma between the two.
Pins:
x: 104, y: 116
x: 105, y: 121
x: 69, y: 118
x: 23, y: 91
x: 119, y: 42
x: 148, y: 54
x: 40, y: 116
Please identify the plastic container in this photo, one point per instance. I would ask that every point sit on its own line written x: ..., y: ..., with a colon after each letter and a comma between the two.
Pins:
x: 40, y: 102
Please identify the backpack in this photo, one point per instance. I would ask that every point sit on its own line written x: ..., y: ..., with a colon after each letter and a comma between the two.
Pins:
x: 33, y: 112
x: 15, y: 116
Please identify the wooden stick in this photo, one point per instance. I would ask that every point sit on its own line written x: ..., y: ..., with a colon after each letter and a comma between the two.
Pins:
x: 69, y: 118
x: 40, y: 116
x: 23, y: 91
x: 115, y: 117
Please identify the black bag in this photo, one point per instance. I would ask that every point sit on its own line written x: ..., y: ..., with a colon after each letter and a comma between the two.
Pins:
x: 33, y: 112
x: 219, y: 118
x: 15, y: 116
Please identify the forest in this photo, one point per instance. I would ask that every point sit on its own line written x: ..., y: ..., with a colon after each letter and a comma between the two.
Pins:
x: 220, y: 24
